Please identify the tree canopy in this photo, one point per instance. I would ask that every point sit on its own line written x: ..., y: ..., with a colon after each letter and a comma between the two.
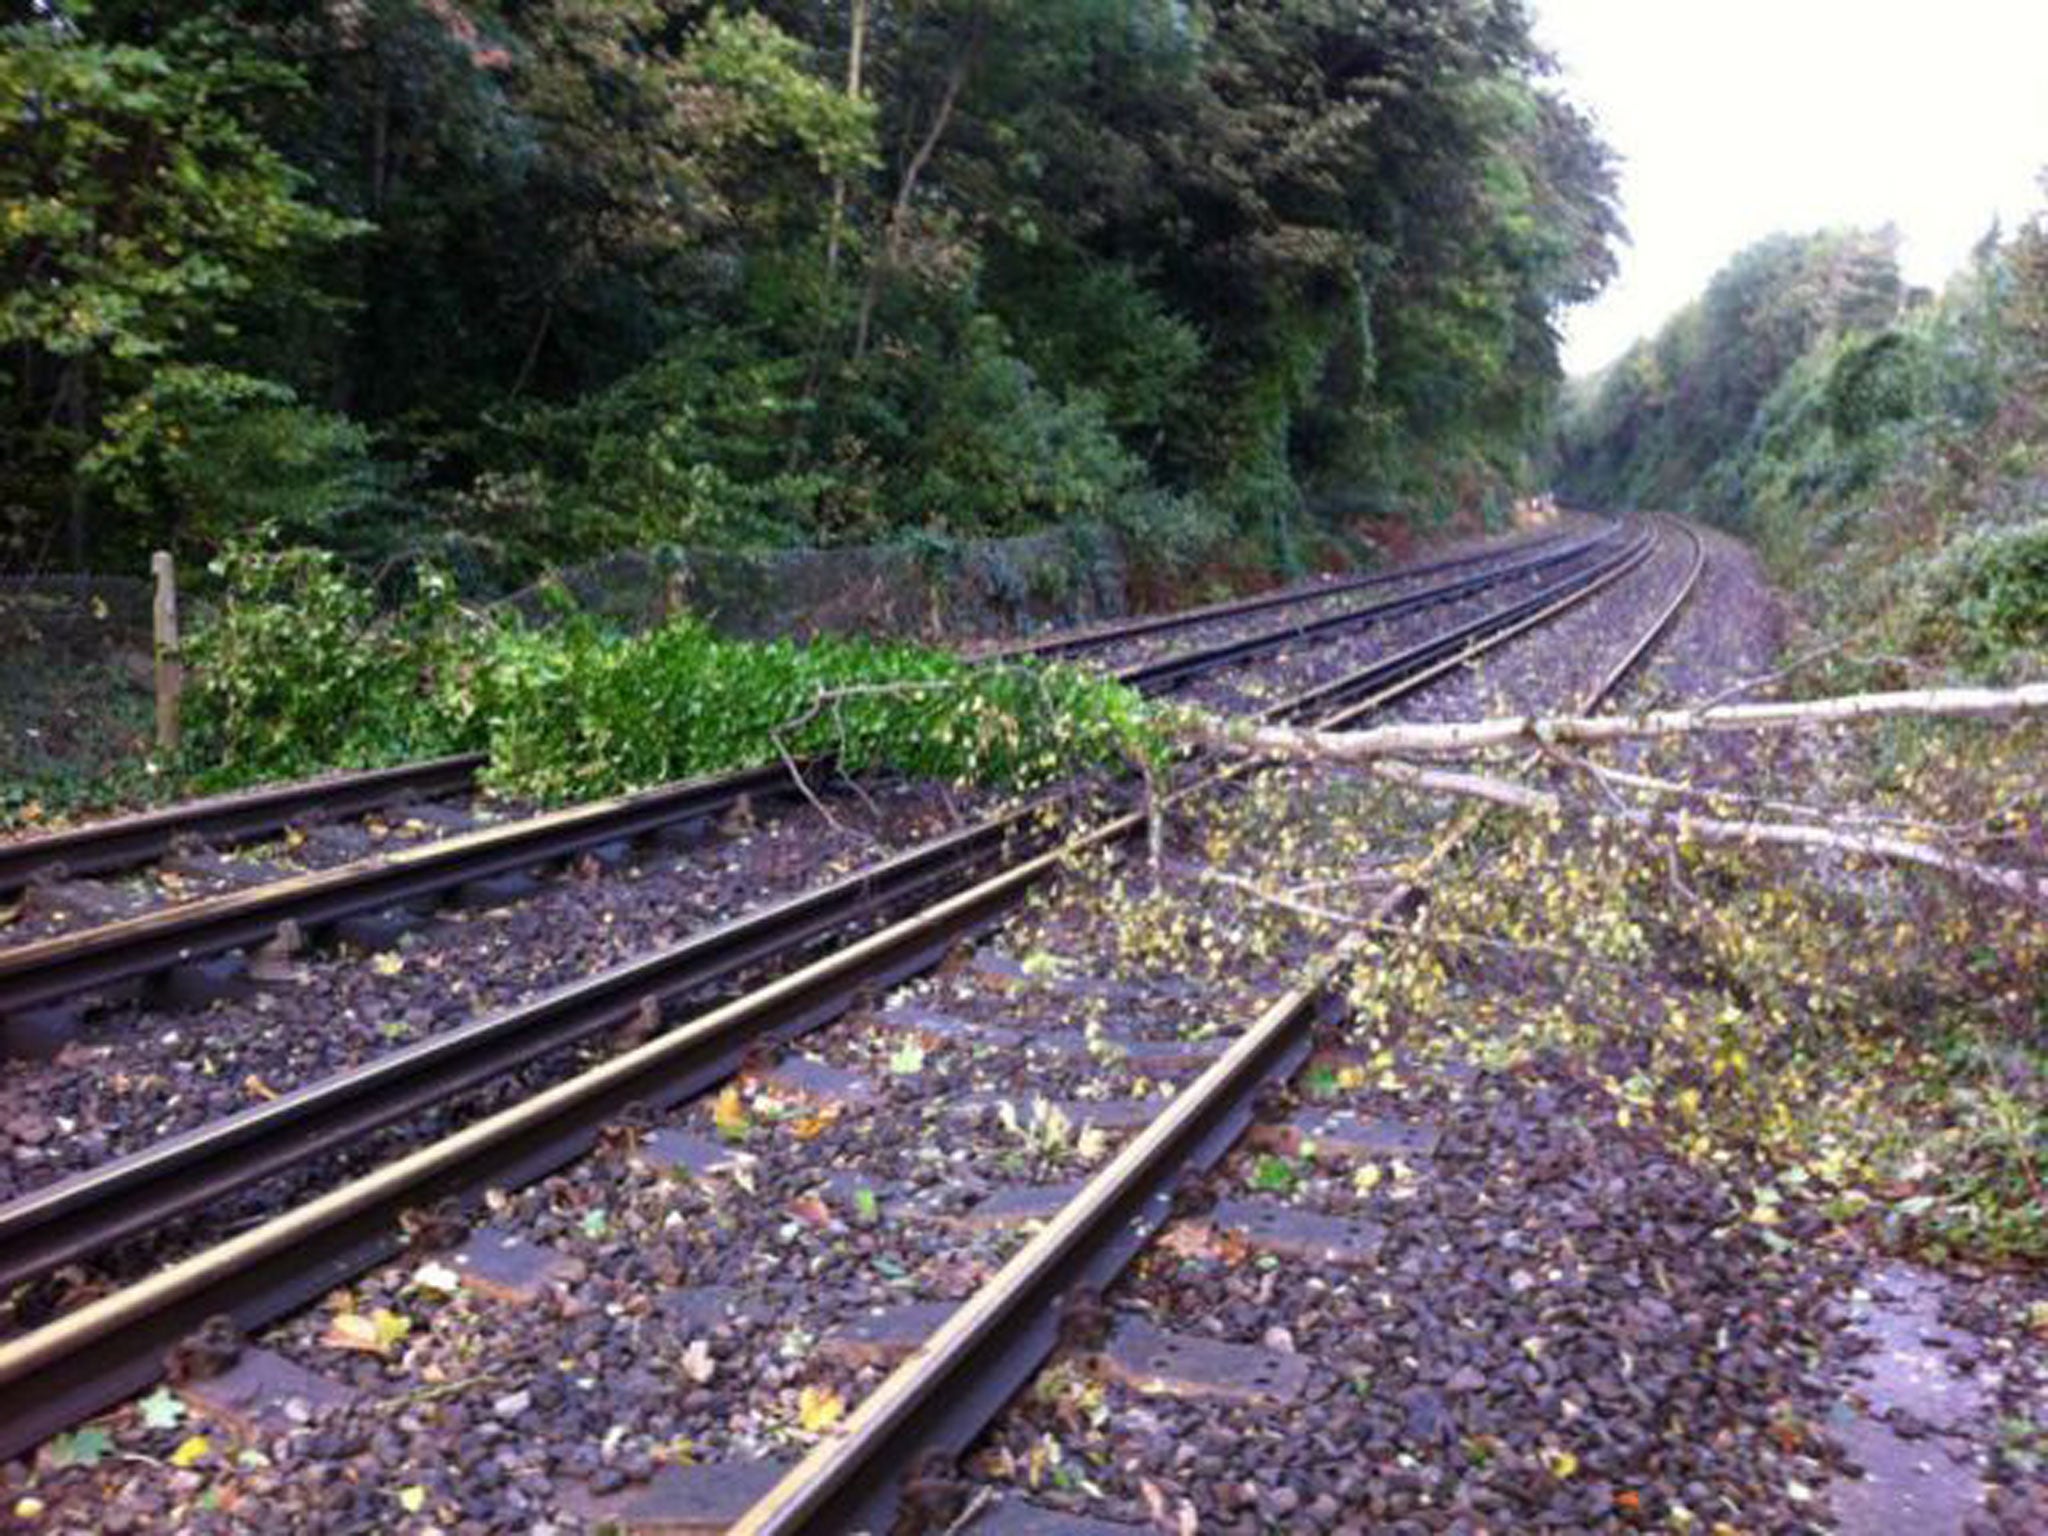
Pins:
x: 537, y: 278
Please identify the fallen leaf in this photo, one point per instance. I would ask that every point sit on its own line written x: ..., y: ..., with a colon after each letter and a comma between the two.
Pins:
x: 806, y: 1127
x: 729, y: 1114
x: 256, y: 1088
x: 387, y: 964
x: 436, y: 1277
x: 412, y: 1498
x: 81, y: 1449
x: 194, y: 1448
x: 819, y: 1408
x: 811, y: 1210
x: 372, y: 1333
x: 162, y: 1409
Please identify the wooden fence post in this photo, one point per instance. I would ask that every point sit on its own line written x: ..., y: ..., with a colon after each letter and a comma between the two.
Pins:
x: 170, y: 667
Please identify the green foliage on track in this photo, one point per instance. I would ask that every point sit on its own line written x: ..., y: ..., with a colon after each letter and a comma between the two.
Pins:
x: 300, y: 670
x: 526, y: 283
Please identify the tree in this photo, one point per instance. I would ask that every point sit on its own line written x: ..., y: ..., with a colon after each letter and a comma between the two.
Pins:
x: 141, y: 219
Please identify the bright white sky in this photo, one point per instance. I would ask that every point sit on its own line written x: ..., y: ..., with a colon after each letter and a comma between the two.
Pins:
x: 1735, y: 118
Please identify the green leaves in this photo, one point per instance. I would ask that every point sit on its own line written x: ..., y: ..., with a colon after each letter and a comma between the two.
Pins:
x: 162, y: 1409
x: 1274, y: 1175
x: 82, y: 1448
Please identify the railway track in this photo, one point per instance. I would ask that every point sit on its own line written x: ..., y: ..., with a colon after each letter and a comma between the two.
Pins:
x: 124, y: 842
x: 38, y: 980
x: 928, y: 1411
x: 86, y: 1360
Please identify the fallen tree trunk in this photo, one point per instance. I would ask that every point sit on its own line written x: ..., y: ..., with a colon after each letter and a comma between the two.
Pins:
x: 1459, y: 737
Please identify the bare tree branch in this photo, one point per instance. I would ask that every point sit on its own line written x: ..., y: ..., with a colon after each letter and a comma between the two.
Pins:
x: 1465, y: 736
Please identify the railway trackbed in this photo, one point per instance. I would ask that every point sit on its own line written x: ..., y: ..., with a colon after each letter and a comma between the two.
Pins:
x: 892, y: 1067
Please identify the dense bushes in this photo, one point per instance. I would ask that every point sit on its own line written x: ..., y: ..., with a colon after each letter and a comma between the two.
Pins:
x: 299, y: 670
x: 1987, y: 593
x: 1666, y: 426
x: 1895, y: 470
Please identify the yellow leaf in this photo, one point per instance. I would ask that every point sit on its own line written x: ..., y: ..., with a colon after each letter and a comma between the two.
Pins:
x: 371, y: 1333
x: 387, y: 964
x: 191, y: 1450
x: 806, y: 1127
x: 1562, y: 1464
x: 819, y: 1408
x: 729, y: 1114
x: 413, y: 1498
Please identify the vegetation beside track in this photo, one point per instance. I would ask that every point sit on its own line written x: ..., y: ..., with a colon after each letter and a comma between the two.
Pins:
x: 1863, y: 1042
x: 299, y: 669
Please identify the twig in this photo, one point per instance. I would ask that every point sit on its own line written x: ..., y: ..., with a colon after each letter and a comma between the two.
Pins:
x: 1670, y: 788
x: 1289, y: 902
x: 442, y: 1389
x: 983, y: 1497
x: 803, y: 785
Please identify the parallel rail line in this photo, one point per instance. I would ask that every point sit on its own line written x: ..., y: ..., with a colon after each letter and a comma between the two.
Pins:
x: 125, y: 841
x: 1102, y: 636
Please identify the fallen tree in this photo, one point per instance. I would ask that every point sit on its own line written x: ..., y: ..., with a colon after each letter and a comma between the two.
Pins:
x: 1383, y: 750
x: 1688, y: 826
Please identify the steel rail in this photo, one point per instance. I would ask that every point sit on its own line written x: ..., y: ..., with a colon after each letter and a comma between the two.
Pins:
x: 939, y: 1399
x: 36, y: 974
x: 1695, y: 565
x: 76, y: 1217
x: 81, y: 1362
x: 126, y: 841
x: 1394, y: 676
x: 1428, y: 662
x: 87, y: 1359
x: 1103, y: 635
